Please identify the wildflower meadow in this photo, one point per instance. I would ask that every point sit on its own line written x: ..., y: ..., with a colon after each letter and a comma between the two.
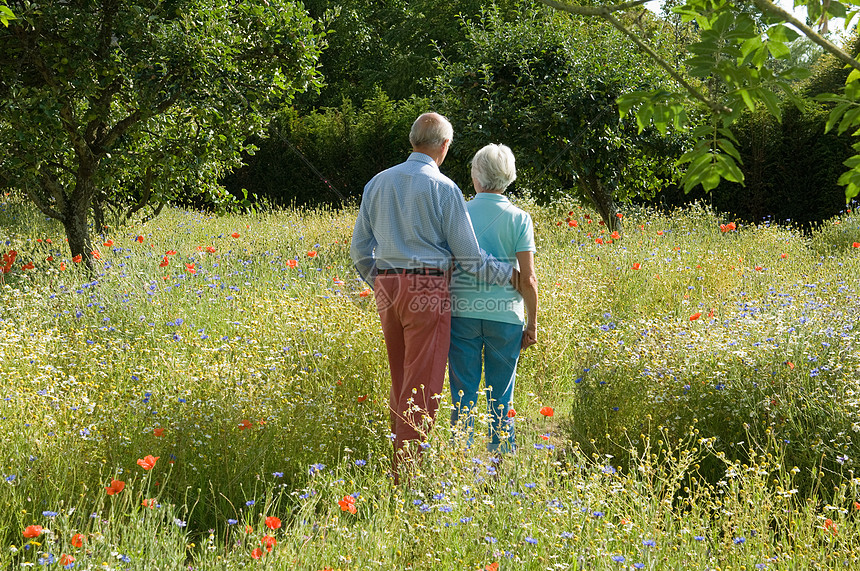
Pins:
x: 214, y: 396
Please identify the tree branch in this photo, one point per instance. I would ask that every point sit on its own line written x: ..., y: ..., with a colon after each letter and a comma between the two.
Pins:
x: 606, y: 12
x: 145, y: 193
x: 41, y: 204
x: 594, y: 10
x: 768, y: 7
x: 125, y: 124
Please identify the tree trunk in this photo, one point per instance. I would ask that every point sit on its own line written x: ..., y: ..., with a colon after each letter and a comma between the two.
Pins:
x: 601, y: 197
x: 78, y: 232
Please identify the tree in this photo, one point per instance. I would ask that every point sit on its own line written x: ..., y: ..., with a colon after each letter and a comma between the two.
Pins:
x: 547, y: 87
x: 741, y: 45
x: 137, y: 102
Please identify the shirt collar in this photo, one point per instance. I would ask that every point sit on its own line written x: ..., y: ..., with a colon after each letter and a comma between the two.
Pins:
x: 422, y: 158
x: 491, y: 196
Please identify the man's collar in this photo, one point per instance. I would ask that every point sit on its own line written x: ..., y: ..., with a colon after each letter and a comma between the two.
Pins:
x: 491, y: 196
x: 421, y: 157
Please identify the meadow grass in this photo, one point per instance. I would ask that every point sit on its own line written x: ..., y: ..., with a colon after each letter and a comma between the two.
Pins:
x: 703, y: 383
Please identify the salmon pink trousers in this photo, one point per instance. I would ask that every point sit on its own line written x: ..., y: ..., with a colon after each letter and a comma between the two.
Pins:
x: 415, y: 311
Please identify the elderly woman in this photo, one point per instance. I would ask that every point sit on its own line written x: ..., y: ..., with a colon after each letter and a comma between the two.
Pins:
x: 488, y: 325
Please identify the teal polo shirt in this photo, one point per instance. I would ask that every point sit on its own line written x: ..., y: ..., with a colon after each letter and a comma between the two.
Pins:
x: 502, y: 230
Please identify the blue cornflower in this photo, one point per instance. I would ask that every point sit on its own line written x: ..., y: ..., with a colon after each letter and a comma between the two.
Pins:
x: 649, y: 543
x: 618, y: 558
x: 49, y: 514
x: 47, y: 559
x: 699, y: 538
x: 531, y: 540
x: 598, y: 514
x: 490, y: 539
x: 249, y: 503
x: 739, y: 540
x: 361, y: 462
x: 232, y: 521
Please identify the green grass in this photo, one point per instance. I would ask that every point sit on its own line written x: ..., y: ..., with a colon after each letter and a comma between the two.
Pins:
x: 706, y: 403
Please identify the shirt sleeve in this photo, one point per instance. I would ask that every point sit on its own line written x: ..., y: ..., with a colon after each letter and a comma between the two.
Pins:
x: 463, y: 244
x: 362, y: 248
x: 526, y: 240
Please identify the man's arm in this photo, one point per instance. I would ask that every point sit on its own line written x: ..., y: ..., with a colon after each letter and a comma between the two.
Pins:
x: 529, y: 290
x: 464, y: 245
x: 362, y: 247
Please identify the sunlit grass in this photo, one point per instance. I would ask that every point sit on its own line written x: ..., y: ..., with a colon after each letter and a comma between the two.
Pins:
x: 703, y: 382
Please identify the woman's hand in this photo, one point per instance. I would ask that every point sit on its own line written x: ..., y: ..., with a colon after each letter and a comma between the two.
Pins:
x: 529, y: 337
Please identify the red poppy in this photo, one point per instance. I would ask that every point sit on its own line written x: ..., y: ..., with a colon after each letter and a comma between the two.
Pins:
x: 511, y: 413
x: 8, y: 260
x: 855, y: 245
x: 711, y: 314
x: 312, y: 254
x: 164, y: 263
x: 116, y: 486
x: 601, y: 223
x: 362, y: 398
x: 62, y: 266
x: 96, y: 254
x: 49, y: 259
x: 599, y: 240
x: 268, y: 542
x: 558, y: 223
x: 494, y: 566
x: 544, y: 436
x: 573, y: 223
x: 66, y: 560
x: 108, y: 244
x: 78, y: 259
x: 235, y: 234
x: 150, y: 503
x: 148, y: 462
x: 32, y: 531
x: 637, y: 265
x: 139, y: 239
x: 759, y: 268
x: 659, y: 232
x: 347, y: 504
x: 257, y: 553
x: 857, y: 505
x: 190, y: 268
x: 273, y: 522
x: 245, y: 424
x: 158, y: 432
x: 695, y: 316
x: 77, y: 540
x: 615, y: 235
x: 790, y: 364
x: 547, y: 411
x: 28, y: 266
x: 170, y: 253
x: 783, y: 256
x: 364, y: 293
x: 210, y: 249
x: 830, y: 525
x: 292, y: 263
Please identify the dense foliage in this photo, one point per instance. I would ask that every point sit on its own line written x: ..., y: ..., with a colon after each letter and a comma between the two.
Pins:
x: 328, y: 155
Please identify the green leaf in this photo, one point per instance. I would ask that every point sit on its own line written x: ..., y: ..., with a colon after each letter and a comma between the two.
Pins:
x: 778, y: 50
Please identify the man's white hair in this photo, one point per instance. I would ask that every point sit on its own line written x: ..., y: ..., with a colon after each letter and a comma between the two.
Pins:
x: 430, y: 130
x: 494, y: 167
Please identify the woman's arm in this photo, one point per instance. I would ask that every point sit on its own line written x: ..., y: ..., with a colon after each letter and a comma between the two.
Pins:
x: 529, y: 290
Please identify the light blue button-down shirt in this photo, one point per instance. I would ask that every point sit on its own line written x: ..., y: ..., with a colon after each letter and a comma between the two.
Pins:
x: 413, y: 216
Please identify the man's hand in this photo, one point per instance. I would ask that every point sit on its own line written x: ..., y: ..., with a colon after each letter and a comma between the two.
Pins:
x: 529, y: 337
x: 515, y: 279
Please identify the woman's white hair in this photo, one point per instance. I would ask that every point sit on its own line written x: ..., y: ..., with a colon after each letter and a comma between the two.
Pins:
x: 494, y: 167
x: 430, y: 130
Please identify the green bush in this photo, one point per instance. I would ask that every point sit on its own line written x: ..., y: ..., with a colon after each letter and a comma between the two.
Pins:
x: 328, y: 155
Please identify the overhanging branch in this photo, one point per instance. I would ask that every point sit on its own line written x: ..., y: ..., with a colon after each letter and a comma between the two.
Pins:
x: 606, y: 12
x: 768, y: 7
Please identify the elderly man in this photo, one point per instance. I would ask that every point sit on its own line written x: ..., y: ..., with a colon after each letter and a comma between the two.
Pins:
x: 411, y: 224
